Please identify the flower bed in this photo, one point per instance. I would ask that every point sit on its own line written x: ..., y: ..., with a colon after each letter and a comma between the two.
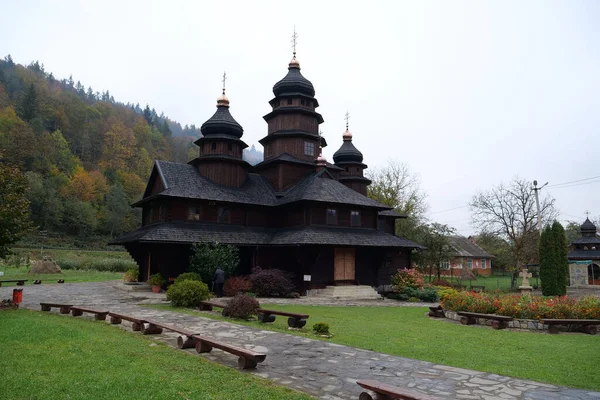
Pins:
x: 523, y: 306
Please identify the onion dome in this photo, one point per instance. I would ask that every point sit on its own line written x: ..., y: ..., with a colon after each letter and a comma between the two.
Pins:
x: 347, y: 152
x: 294, y: 82
x: 222, y: 123
x: 588, y: 228
x: 321, y: 161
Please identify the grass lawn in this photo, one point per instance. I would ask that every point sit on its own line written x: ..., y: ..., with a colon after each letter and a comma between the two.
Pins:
x: 47, y: 356
x: 565, y: 359
x: 70, y: 276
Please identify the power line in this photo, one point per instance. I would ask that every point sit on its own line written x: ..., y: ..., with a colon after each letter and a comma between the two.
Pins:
x: 578, y: 180
x: 450, y: 209
x: 577, y: 184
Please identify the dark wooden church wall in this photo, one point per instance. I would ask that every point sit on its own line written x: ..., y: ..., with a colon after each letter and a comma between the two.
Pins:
x: 222, y: 147
x: 394, y: 261
x: 368, y: 261
x: 292, y: 174
x: 255, y: 217
x: 295, y: 121
x: 228, y: 174
x: 322, y: 269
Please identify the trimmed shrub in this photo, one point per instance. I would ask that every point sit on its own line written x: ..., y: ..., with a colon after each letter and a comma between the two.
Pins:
x: 241, y: 306
x: 428, y: 294
x: 321, y: 328
x: 188, y: 276
x: 187, y: 293
x: 443, y: 292
x: 131, y: 275
x: 553, y: 260
x: 235, y: 285
x: 102, y: 265
x: 271, y: 282
x: 407, y: 278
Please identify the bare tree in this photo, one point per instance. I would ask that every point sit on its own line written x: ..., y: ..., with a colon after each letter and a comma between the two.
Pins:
x: 509, y: 211
x: 396, y: 186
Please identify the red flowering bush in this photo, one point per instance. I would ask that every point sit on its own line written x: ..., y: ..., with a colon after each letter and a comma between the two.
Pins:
x: 441, y: 282
x: 235, y: 285
x: 271, y: 282
x: 407, y: 278
x: 523, y: 306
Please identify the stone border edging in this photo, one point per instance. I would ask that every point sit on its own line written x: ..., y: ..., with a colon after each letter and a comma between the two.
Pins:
x: 530, y: 324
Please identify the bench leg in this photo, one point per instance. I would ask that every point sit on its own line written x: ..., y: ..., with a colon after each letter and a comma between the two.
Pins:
x: 370, y: 395
x: 100, y: 317
x: 264, y: 318
x: 44, y: 306
x: 590, y: 329
x: 498, y: 324
x: 203, y: 347
x: 76, y: 313
x: 296, y: 322
x: 553, y: 329
x: 152, y: 330
x: 185, y: 342
x: 136, y: 326
x: 115, y: 320
x: 246, y: 363
x: 65, y: 310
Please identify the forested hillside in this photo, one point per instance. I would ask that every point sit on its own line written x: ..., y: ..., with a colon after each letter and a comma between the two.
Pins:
x: 87, y: 157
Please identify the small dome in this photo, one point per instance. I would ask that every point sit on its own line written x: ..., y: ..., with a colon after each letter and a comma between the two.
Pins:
x: 588, y: 227
x: 347, y: 152
x: 321, y: 161
x: 222, y: 100
x: 222, y: 122
x: 294, y: 82
x: 347, y: 135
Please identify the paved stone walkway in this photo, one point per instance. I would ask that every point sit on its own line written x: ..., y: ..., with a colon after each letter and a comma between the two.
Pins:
x: 324, y: 370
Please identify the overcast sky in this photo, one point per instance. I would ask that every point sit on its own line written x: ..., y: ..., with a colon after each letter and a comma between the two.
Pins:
x: 467, y: 94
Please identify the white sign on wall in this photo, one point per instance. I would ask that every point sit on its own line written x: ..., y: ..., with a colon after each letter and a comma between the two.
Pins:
x: 307, y: 278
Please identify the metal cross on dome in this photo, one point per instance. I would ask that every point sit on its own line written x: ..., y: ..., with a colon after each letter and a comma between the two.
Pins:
x: 347, y: 118
x: 294, y: 40
x: 587, y: 213
x: 223, y: 80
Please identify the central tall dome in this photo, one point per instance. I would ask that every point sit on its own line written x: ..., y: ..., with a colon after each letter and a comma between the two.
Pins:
x: 292, y: 142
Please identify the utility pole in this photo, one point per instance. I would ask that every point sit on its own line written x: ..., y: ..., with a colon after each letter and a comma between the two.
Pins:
x: 537, y: 203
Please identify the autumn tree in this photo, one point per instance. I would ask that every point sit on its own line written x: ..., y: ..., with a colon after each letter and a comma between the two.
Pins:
x: 435, y: 238
x: 509, y: 211
x: 397, y: 187
x: 14, y: 206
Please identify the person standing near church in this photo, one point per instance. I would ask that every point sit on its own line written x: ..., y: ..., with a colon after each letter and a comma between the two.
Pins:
x: 219, y: 281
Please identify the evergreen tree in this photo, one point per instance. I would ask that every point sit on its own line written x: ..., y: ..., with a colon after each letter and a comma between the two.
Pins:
x: 14, y: 206
x: 8, y: 59
x: 562, y: 258
x: 148, y: 114
x: 553, y: 260
x: 28, y: 109
x: 90, y: 94
x: 70, y: 81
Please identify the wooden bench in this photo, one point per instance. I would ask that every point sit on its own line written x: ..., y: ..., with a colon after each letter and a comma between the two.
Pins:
x: 182, y: 343
x: 382, y: 391
x: 247, y: 358
x: 589, y: 326
x: 475, y: 288
x: 294, y: 320
x: 470, y: 318
x: 208, y: 305
x: 137, y: 324
x: 64, y: 308
x: 98, y: 315
x: 436, y: 312
x: 20, y: 282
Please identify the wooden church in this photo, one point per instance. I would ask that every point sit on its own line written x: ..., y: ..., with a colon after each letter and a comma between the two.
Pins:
x: 293, y: 211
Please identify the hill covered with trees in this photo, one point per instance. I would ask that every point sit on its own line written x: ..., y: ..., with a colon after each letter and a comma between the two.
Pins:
x: 86, y: 156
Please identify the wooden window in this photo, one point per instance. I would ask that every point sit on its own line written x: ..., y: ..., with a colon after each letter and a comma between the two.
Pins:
x: 302, y: 102
x: 161, y: 213
x: 289, y: 102
x: 445, y: 264
x: 483, y: 263
x: 194, y: 213
x: 224, y: 215
x: 381, y: 224
x: 309, y: 148
x: 354, y: 218
x: 331, y: 216
x: 213, y: 146
x: 470, y: 263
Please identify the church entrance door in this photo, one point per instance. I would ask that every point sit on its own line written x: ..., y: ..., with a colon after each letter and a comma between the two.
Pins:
x: 344, y: 268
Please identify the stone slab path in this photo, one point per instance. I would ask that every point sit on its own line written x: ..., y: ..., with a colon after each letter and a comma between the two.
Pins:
x: 324, y: 370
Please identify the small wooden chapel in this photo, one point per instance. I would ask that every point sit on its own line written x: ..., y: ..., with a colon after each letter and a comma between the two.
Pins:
x: 293, y: 211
